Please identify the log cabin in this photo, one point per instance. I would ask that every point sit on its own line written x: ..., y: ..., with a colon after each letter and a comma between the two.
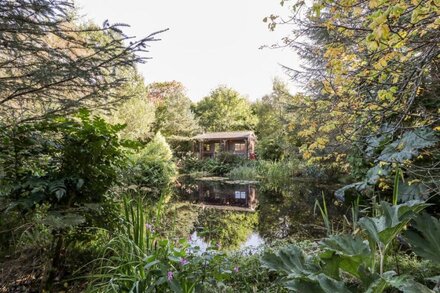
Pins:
x: 240, y: 143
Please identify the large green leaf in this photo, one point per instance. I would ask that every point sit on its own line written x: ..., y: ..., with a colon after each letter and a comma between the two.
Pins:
x: 316, y: 284
x: 406, y: 284
x: 303, y: 275
x: 426, y: 241
x: 331, y: 264
x: 409, y: 145
x: 302, y: 285
x: 401, y: 150
x: 290, y: 260
x: 375, y: 173
x: 380, y: 283
x: 403, y: 283
x: 394, y: 218
x: 415, y: 191
x: 350, y: 252
x: 346, y: 244
x: 371, y: 178
x: 359, y: 186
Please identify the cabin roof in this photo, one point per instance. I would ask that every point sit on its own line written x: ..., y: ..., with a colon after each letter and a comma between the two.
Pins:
x: 224, y: 135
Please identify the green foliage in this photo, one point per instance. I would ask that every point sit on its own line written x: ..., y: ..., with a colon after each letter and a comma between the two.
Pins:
x: 75, y: 163
x: 276, y: 129
x: 138, y: 114
x: 409, y: 145
x: 226, y: 229
x: 250, y: 276
x: 400, y: 152
x: 302, y: 271
x: 56, y: 65
x: 225, y: 110
x: 139, y: 259
x: 425, y: 238
x: 221, y: 165
x: 384, y: 229
x: 276, y: 175
x: 270, y: 149
x: 66, y: 165
x: 151, y: 168
x: 324, y: 214
x: 245, y: 172
x: 370, y: 88
x: 355, y: 255
x: 174, y: 116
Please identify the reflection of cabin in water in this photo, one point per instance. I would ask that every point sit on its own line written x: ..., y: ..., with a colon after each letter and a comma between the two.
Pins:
x: 240, y: 143
x: 239, y: 196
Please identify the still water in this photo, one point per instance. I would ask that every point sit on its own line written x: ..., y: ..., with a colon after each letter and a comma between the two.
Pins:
x: 244, y: 215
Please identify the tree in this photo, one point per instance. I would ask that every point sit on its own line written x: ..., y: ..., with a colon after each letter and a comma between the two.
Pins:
x: 174, y: 116
x: 224, y: 110
x: 50, y: 64
x: 277, y: 139
x: 371, y: 78
x: 137, y: 113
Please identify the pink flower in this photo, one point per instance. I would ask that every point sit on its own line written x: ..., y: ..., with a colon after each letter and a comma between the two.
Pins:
x: 170, y: 276
x: 149, y: 227
x: 184, y: 261
x: 236, y: 269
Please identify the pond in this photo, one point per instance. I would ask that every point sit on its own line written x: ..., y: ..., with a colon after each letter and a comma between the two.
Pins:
x: 240, y: 215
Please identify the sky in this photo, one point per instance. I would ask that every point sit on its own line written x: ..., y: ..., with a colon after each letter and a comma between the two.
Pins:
x: 209, y: 43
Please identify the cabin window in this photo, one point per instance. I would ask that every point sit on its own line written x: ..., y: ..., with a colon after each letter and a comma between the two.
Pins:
x: 240, y: 194
x: 240, y: 147
x: 217, y: 147
x: 206, y: 147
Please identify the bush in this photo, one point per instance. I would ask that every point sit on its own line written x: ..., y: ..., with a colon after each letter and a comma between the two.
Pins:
x: 221, y: 165
x: 270, y: 149
x: 151, y: 169
x: 246, y: 172
x: 57, y: 175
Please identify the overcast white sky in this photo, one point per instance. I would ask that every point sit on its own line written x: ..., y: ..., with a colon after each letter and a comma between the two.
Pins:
x: 209, y: 42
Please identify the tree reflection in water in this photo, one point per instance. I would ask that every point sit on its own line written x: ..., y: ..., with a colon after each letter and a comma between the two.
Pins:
x: 236, y: 216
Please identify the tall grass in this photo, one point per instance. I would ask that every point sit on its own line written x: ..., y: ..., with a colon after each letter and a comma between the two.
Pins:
x: 274, y: 174
x: 324, y: 214
x: 131, y: 261
x: 140, y: 259
x: 246, y: 172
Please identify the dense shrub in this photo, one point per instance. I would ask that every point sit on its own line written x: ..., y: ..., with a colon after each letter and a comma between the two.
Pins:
x: 151, y: 168
x: 221, y: 165
x: 65, y: 165
x: 270, y: 149
x: 245, y: 172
